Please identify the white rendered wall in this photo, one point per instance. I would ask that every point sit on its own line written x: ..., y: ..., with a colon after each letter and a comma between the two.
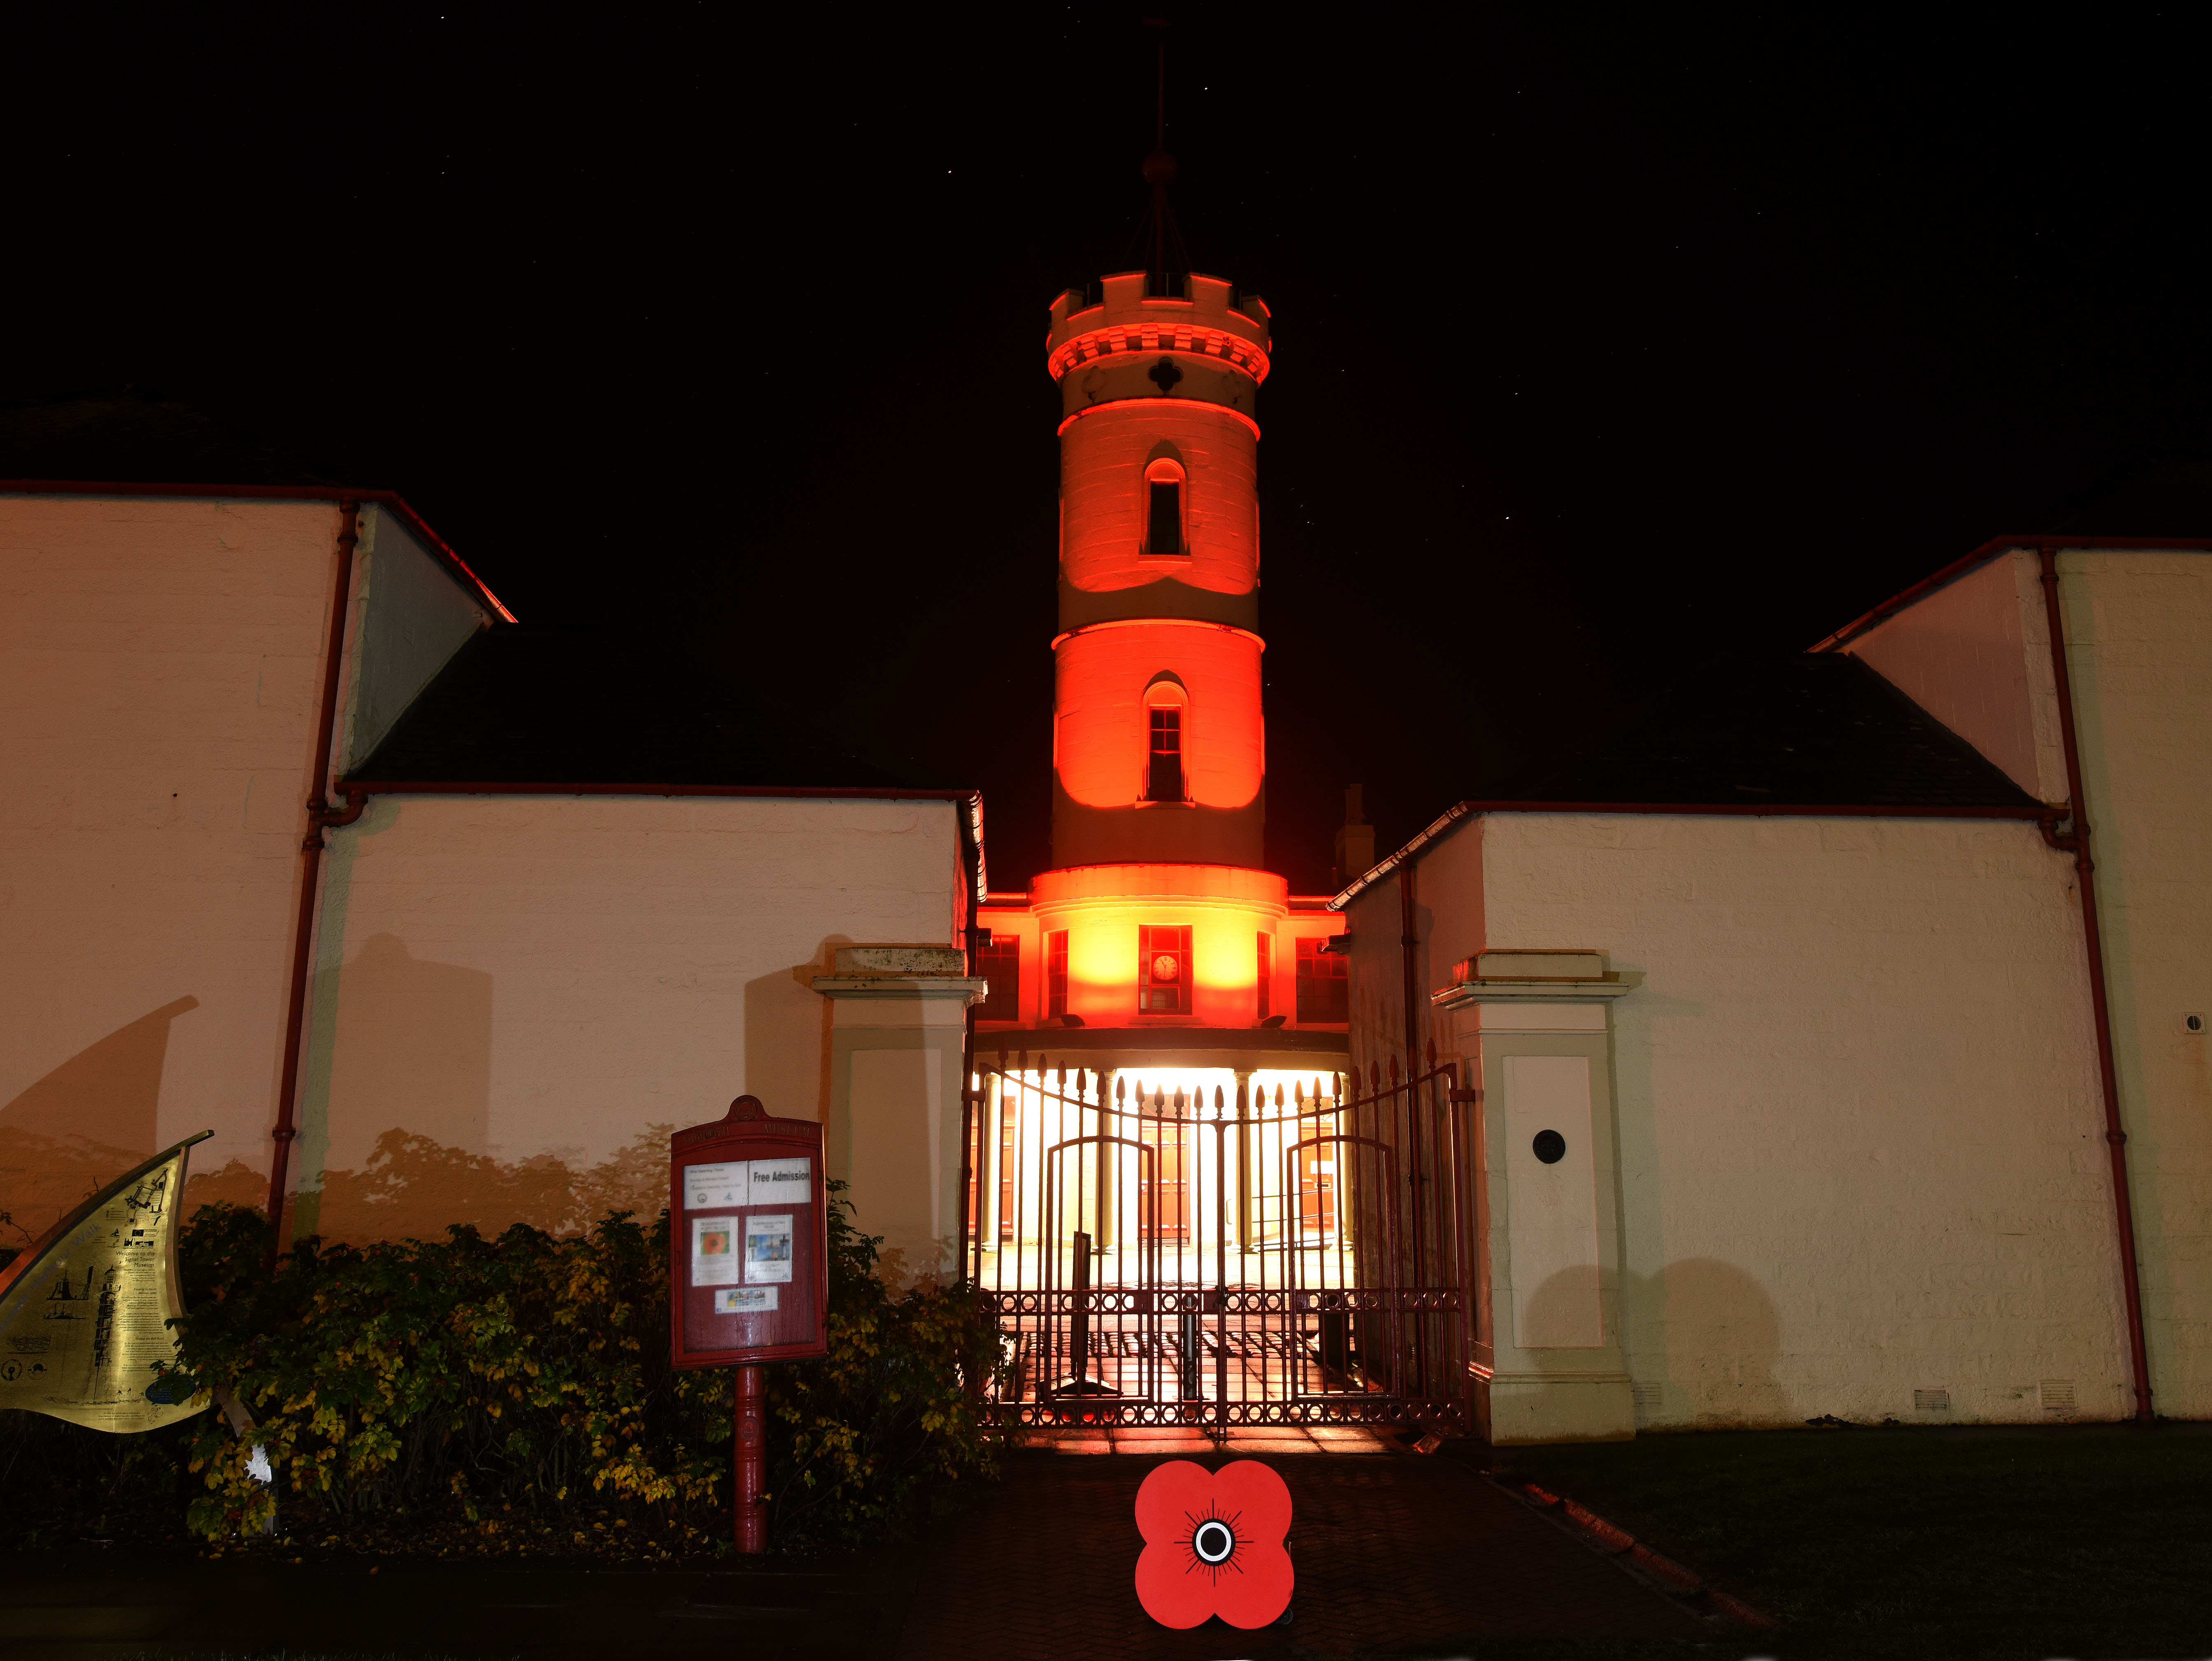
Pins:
x: 535, y: 988
x: 160, y: 662
x: 2139, y: 654
x: 1860, y: 1139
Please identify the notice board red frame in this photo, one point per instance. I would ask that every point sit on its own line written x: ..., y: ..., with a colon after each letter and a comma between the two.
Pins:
x: 798, y: 1328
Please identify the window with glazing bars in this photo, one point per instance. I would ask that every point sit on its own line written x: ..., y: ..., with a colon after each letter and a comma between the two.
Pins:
x: 1055, y: 973
x: 1165, y: 782
x: 1163, y: 969
x: 1323, y: 990
x: 1001, y: 963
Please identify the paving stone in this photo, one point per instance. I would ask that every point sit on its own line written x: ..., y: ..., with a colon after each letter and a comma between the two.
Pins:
x: 1392, y: 1554
x: 75, y: 1607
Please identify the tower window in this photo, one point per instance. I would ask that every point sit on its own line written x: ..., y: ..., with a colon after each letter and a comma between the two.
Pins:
x: 1164, y: 782
x: 1323, y: 988
x: 1164, y: 530
x: 1056, y: 972
x: 1163, y: 969
x: 1000, y: 962
x: 1164, y: 508
x: 1267, y: 973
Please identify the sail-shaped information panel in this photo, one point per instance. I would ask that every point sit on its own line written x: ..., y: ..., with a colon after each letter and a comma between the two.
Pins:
x: 84, y: 1313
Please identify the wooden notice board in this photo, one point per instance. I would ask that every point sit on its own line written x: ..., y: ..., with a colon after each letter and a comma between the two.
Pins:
x: 748, y: 1241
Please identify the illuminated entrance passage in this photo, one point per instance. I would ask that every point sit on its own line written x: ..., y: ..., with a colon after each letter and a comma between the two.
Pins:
x: 1216, y: 1248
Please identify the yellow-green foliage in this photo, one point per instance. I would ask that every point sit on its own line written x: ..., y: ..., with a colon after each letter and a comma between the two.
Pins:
x: 478, y: 1379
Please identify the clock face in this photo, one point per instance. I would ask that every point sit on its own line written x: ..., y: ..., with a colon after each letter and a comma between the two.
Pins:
x: 1164, y: 967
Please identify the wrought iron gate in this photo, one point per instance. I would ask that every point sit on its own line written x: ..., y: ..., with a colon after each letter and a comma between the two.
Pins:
x: 1159, y: 1257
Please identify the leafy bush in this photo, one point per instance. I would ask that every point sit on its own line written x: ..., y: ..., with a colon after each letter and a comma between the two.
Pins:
x: 522, y: 1384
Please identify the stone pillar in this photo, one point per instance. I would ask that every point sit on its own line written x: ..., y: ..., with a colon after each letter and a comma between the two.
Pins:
x: 897, y: 1041
x: 1550, y: 1366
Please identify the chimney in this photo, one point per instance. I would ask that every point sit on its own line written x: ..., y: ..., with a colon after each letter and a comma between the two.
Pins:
x: 1355, y: 842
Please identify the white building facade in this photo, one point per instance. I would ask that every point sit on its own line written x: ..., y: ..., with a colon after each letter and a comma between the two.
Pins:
x: 1794, y: 1099
x: 490, y: 991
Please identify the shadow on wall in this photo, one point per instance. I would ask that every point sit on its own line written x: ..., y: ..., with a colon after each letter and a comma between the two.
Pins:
x: 415, y: 1036
x: 1716, y: 1327
x: 1566, y: 1311
x: 414, y: 1187
x: 787, y: 1027
x: 85, y: 1123
x: 1720, y: 1336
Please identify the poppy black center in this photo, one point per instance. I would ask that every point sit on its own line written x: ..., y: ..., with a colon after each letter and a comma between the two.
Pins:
x: 1214, y: 1542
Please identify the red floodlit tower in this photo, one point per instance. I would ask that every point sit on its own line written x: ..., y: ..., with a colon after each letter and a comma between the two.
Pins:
x: 1159, y: 749
x: 1158, y: 913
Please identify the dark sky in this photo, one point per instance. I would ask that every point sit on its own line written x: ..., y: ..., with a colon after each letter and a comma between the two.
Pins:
x: 1603, y: 348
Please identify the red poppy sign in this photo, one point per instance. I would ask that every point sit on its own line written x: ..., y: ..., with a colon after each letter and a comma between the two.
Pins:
x: 1213, y: 1545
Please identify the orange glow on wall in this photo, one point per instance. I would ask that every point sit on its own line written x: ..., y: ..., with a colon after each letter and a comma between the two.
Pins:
x: 1104, y: 460
x: 1100, y: 912
x: 1106, y: 909
x: 1156, y: 622
x: 1100, y: 680
x: 1073, y: 415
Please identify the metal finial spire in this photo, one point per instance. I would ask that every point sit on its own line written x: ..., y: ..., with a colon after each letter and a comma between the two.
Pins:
x: 1166, y: 255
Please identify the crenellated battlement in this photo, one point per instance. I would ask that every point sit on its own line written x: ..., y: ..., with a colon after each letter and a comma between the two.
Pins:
x: 1209, y: 320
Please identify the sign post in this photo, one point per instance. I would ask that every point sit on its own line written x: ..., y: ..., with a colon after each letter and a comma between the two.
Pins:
x: 747, y: 1269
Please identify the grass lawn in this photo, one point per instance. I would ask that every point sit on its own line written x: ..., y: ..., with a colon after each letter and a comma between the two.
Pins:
x: 1998, y: 1542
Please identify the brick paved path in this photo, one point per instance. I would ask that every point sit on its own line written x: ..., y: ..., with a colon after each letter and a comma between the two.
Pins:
x: 115, y: 1607
x: 1394, y: 1554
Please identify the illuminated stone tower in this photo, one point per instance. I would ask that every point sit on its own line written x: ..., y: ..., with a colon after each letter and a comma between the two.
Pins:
x: 1157, y: 903
x: 1159, y: 747
x: 1157, y: 914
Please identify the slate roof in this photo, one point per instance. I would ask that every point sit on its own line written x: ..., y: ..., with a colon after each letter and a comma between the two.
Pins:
x: 114, y: 436
x: 518, y: 705
x: 1813, y: 729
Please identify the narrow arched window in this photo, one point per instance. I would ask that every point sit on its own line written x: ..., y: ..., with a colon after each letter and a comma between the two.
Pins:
x: 1164, y: 707
x: 1163, y: 481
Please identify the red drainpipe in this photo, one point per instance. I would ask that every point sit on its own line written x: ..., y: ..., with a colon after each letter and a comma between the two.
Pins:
x: 2076, y: 842
x: 320, y: 813
x: 1409, y: 941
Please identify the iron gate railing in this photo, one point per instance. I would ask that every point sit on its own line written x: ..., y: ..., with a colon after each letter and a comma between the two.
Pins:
x: 1159, y: 1257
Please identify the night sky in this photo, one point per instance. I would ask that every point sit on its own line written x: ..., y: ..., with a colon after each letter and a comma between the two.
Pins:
x: 1603, y: 350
